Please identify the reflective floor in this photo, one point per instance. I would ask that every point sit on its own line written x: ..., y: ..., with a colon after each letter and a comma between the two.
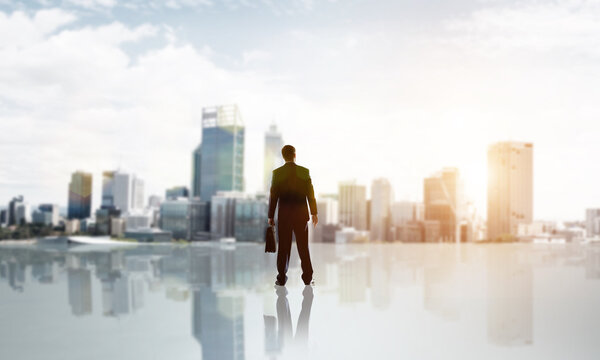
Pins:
x: 217, y: 301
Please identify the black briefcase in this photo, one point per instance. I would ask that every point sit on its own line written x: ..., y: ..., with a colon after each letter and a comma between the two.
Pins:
x: 270, y: 244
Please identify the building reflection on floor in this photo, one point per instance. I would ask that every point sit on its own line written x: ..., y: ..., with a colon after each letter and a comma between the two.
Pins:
x: 217, y: 280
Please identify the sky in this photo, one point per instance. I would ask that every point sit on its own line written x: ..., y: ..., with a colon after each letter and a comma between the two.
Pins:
x: 362, y: 89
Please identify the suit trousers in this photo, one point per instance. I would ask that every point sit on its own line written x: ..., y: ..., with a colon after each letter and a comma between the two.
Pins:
x: 300, y: 230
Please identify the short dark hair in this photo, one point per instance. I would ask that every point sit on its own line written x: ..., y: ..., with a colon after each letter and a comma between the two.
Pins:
x: 288, y: 152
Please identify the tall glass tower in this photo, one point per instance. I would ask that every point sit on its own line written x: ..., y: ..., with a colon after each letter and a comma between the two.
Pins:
x: 219, y: 161
x: 80, y: 195
x: 273, y: 157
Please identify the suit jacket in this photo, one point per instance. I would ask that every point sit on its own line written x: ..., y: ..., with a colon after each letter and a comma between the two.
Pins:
x: 291, y: 187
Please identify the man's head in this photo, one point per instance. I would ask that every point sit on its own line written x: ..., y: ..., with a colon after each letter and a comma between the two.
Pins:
x: 288, y: 152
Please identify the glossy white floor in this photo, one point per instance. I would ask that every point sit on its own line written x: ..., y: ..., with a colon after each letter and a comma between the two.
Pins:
x: 214, y: 301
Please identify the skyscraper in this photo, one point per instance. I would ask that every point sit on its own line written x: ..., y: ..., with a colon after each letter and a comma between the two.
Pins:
x: 12, y: 209
x: 381, y: 199
x: 510, y: 187
x: 122, y: 190
x: 80, y: 195
x: 273, y: 157
x: 196, y: 169
x: 137, y: 193
x: 219, y: 160
x: 353, y: 205
x: 442, y: 196
x: 592, y: 222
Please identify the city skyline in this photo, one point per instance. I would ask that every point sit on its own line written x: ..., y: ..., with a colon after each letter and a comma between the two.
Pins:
x: 121, y: 90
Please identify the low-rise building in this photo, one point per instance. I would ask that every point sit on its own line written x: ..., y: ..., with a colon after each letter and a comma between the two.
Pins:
x: 149, y: 235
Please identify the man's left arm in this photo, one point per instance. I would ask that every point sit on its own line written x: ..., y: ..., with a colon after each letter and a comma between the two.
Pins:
x: 312, y: 203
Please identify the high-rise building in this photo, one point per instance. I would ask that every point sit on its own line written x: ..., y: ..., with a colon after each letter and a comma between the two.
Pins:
x: 328, y: 210
x: 177, y: 192
x: 122, y: 190
x: 174, y: 217
x: 381, y: 199
x: 353, y: 205
x: 199, y: 220
x: 3, y: 217
x: 592, y: 222
x: 250, y: 223
x: 222, y: 214
x: 221, y: 153
x: 80, y: 196
x: 137, y: 193
x: 443, y: 199
x: 510, y: 187
x: 405, y: 211
x: 196, y: 169
x: 273, y: 157
x: 12, y: 209
x: 46, y: 214
x: 22, y: 213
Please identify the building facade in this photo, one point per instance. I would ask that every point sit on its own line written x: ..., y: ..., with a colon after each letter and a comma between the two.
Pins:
x: 443, y: 200
x: 273, y: 157
x: 220, y: 158
x: 381, y: 200
x: 80, y: 196
x: 353, y: 205
x: 510, y: 188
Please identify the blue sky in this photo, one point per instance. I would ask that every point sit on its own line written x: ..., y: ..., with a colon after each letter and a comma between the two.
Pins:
x: 363, y: 89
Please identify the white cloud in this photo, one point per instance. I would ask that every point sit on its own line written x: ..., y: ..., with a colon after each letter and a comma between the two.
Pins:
x: 556, y: 26
x: 73, y: 99
x: 93, y: 4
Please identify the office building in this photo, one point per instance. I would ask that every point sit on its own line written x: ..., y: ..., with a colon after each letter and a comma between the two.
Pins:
x: 22, y: 213
x: 137, y: 193
x: 443, y: 200
x: 46, y: 214
x: 177, y: 192
x: 196, y: 169
x: 220, y: 158
x: 199, y: 220
x: 405, y: 211
x: 80, y: 196
x: 122, y: 190
x: 510, y: 188
x: 328, y: 210
x: 380, y: 214
x: 137, y: 220
x: 592, y: 222
x: 3, y: 217
x: 273, y: 157
x: 174, y: 217
x: 154, y: 201
x: 12, y: 209
x: 250, y: 223
x: 149, y: 235
x: 353, y: 205
x: 104, y: 217
x: 222, y: 214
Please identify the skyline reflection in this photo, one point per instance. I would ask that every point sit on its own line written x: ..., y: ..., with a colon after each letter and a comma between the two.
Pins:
x: 367, y: 297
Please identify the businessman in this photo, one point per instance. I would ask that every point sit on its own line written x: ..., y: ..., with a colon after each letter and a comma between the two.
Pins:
x: 291, y: 188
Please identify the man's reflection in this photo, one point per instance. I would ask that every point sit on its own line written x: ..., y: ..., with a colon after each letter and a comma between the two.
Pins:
x: 283, y: 337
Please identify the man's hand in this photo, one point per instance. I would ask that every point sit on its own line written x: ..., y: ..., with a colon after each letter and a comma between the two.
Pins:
x: 315, y: 220
x: 271, y: 222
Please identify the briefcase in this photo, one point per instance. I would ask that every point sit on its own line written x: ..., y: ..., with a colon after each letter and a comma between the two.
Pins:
x: 270, y: 245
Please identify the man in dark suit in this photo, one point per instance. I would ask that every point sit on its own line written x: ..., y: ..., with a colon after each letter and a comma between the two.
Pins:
x: 291, y: 187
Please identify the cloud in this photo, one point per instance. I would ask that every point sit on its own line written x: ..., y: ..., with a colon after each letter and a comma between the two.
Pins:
x: 93, y: 4
x: 75, y: 99
x: 554, y: 26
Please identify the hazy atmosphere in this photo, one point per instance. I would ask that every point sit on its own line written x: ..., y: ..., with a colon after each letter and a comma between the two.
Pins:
x: 396, y: 89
